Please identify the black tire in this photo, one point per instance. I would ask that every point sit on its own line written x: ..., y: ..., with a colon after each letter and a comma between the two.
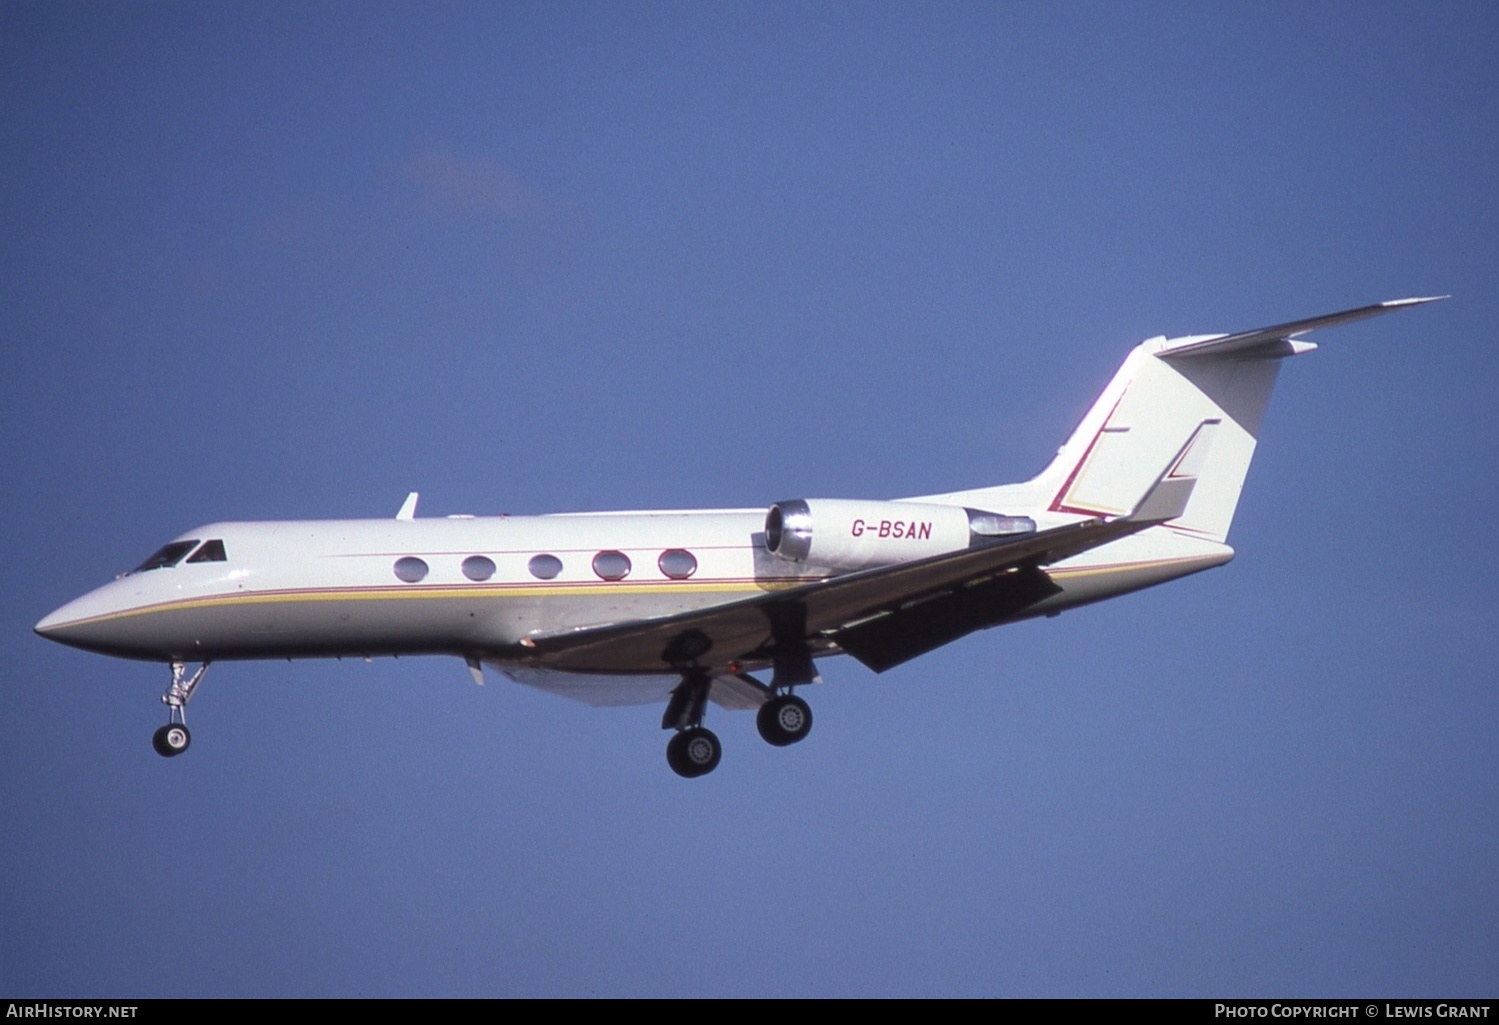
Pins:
x: 693, y: 752
x: 171, y: 740
x: 784, y: 720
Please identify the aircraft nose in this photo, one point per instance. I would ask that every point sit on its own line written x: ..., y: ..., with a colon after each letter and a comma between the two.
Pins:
x: 52, y: 624
x: 87, y: 622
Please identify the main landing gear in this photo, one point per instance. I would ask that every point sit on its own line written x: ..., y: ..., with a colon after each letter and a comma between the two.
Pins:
x: 173, y: 738
x: 784, y: 720
x: 695, y: 750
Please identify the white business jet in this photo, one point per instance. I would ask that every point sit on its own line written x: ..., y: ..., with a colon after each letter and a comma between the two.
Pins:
x: 686, y: 607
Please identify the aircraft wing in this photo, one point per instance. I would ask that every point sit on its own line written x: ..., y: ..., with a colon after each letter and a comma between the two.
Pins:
x: 882, y: 616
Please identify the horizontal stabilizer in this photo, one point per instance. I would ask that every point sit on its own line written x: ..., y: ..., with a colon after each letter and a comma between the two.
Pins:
x: 1279, y: 340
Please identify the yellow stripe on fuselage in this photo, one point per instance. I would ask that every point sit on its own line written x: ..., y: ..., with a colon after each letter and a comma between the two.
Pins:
x: 409, y: 592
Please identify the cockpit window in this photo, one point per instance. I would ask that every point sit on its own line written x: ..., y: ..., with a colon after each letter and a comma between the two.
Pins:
x: 212, y: 551
x: 167, y: 555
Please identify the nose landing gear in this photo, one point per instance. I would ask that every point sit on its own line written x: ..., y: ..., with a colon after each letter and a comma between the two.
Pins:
x: 173, y: 738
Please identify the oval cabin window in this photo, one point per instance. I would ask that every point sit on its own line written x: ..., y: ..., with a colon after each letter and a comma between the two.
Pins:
x: 544, y: 567
x: 611, y: 565
x: 677, y: 563
x: 478, y: 567
x: 410, y: 569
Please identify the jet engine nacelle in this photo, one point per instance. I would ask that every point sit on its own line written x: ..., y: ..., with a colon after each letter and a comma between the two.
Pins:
x: 839, y: 534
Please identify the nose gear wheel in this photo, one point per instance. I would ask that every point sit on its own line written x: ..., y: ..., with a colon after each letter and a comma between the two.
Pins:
x: 171, y: 740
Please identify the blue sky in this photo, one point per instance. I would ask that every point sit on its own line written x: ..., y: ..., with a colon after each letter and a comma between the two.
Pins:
x: 267, y: 263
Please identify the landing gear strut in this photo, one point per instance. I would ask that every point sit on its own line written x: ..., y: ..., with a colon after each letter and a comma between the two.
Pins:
x: 694, y: 750
x: 173, y: 738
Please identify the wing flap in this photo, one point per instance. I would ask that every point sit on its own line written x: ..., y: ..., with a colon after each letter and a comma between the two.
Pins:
x: 914, y: 629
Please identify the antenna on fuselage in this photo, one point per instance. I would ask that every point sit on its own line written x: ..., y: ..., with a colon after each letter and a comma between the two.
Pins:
x: 408, y: 507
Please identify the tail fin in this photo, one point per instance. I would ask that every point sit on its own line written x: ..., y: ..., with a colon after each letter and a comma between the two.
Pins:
x: 1158, y: 402
x: 1197, y: 400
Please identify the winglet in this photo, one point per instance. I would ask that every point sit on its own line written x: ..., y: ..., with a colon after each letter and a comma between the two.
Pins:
x: 408, y: 507
x: 1168, y: 497
x: 475, y: 670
